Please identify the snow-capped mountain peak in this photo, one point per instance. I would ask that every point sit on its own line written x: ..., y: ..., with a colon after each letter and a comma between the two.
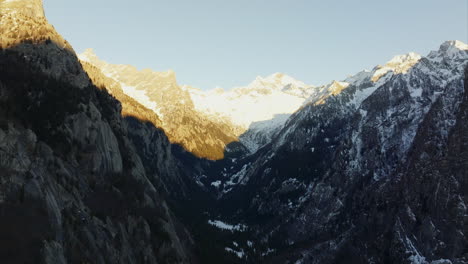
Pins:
x: 261, y: 100
x: 278, y: 81
x: 453, y: 44
x: 259, y: 108
x: 451, y: 50
x: 398, y: 64
x: 401, y: 63
x: 283, y: 79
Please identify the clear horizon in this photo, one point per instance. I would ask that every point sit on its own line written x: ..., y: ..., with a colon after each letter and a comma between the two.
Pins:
x: 229, y: 45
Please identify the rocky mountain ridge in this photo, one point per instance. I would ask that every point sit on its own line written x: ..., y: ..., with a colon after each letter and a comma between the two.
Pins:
x: 358, y: 173
x: 249, y: 115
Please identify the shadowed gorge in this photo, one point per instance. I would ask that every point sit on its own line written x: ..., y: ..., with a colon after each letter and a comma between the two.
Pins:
x: 70, y: 174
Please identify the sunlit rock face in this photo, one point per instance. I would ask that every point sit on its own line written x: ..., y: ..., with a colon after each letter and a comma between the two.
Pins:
x: 172, y: 105
x: 24, y: 28
x: 24, y: 20
x: 30, y: 8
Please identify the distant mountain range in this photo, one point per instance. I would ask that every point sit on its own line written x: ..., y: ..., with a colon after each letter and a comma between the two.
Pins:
x: 246, y: 114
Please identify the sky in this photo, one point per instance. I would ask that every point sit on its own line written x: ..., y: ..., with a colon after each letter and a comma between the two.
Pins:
x: 227, y: 44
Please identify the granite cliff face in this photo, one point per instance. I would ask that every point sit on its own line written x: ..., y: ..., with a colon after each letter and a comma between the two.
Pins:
x: 73, y: 187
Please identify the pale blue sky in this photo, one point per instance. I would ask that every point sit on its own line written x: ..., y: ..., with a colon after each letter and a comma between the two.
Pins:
x: 212, y: 43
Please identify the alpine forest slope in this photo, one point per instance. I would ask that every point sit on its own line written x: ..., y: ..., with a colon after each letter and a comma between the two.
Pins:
x: 374, y: 169
x: 73, y: 188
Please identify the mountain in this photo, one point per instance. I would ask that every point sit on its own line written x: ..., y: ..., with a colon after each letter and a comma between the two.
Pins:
x: 103, y: 163
x: 259, y: 108
x: 74, y: 186
x: 159, y: 92
x: 371, y: 170
x: 261, y: 100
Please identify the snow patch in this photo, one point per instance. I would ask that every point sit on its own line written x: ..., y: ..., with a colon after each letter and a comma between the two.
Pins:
x: 268, y: 252
x: 441, y: 261
x: 239, y: 177
x: 416, y: 257
x: 216, y: 184
x: 142, y: 98
x: 240, y: 254
x: 224, y: 226
x: 416, y: 92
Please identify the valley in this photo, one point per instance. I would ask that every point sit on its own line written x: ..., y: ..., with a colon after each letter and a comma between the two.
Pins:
x: 104, y: 163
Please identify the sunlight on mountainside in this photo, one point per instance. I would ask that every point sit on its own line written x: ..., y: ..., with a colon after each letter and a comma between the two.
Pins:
x: 24, y: 21
x: 399, y: 64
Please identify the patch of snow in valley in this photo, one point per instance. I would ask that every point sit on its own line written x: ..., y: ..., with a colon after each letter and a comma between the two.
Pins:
x: 216, y: 184
x: 225, y: 226
x: 240, y: 254
x: 416, y: 257
x: 441, y: 261
x: 238, y: 178
x: 268, y: 252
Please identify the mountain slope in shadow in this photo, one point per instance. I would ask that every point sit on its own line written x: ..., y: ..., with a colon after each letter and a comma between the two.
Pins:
x: 73, y: 186
x: 374, y: 173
